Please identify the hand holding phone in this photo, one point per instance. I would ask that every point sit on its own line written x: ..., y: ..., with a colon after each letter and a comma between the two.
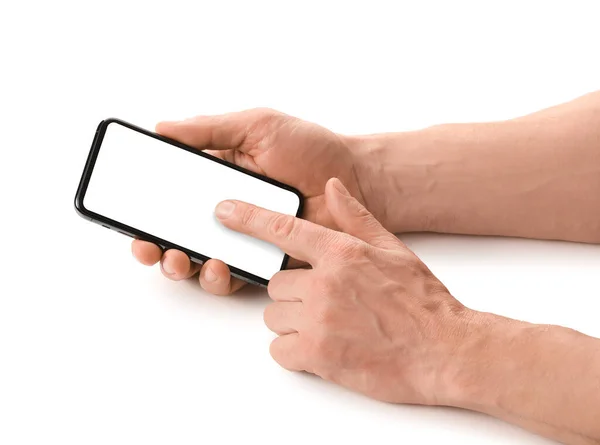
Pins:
x: 149, y: 187
x: 299, y: 153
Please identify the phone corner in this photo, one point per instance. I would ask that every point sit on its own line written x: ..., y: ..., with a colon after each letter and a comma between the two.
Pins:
x: 110, y: 120
x: 80, y: 207
x: 300, y: 197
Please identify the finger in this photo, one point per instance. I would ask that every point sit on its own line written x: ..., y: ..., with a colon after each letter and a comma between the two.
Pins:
x: 289, y: 285
x: 236, y: 157
x: 293, y: 263
x: 353, y: 218
x: 216, y: 278
x: 285, y: 351
x: 145, y: 252
x: 224, y: 131
x: 226, y: 155
x: 297, y: 237
x: 176, y: 265
x: 283, y: 317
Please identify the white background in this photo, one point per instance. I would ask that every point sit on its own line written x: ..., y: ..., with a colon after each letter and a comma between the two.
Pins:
x: 97, y: 349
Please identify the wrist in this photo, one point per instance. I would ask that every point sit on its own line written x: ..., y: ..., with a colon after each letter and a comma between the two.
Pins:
x: 483, y: 365
x: 375, y: 172
x: 394, y: 179
x: 439, y: 179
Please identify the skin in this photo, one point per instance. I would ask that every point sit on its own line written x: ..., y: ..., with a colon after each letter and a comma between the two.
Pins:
x: 479, y: 179
x: 298, y: 153
x: 334, y: 322
x: 371, y: 316
x: 536, y: 176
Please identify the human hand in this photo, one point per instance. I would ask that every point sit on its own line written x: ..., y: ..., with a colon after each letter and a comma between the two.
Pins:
x: 369, y: 315
x: 299, y: 153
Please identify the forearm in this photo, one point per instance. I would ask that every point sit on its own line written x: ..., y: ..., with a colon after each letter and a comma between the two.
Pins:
x: 543, y: 378
x: 537, y: 176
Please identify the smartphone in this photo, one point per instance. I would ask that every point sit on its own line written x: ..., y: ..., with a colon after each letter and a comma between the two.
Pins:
x: 149, y: 187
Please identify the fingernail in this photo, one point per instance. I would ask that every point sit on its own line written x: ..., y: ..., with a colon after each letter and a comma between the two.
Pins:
x: 340, y: 187
x: 167, y: 267
x: 209, y: 275
x: 224, y: 209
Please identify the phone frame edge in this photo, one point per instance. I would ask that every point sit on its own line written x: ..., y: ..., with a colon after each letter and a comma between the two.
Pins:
x: 138, y: 234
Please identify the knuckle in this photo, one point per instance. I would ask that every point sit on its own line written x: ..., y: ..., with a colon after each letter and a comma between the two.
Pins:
x: 325, y: 286
x: 263, y: 111
x: 249, y: 215
x: 362, y: 249
x: 324, y: 314
x: 350, y: 249
x: 405, y: 258
x: 265, y: 118
x: 328, y: 289
x: 418, y: 267
x: 283, y: 226
x: 433, y: 286
x: 324, y: 241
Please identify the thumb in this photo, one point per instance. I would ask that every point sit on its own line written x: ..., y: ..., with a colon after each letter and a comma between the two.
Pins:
x: 215, y: 132
x: 353, y: 218
x: 220, y: 132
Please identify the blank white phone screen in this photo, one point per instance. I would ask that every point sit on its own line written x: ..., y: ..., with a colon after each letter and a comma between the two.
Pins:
x: 171, y: 193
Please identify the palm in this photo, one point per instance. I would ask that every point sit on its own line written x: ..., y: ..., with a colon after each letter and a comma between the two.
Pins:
x: 299, y: 153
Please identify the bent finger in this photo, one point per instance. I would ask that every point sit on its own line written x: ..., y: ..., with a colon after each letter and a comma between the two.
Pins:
x: 176, y: 265
x: 216, y: 278
x: 145, y: 252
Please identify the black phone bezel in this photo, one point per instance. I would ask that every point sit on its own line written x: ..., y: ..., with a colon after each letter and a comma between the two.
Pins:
x: 139, y: 234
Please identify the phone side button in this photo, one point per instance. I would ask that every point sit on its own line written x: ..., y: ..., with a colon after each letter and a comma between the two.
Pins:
x: 247, y: 280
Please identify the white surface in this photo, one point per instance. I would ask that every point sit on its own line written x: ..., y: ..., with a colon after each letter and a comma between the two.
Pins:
x: 97, y: 349
x: 171, y: 193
